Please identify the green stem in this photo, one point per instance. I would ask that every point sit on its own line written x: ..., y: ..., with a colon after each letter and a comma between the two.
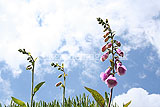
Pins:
x: 32, y: 85
x: 111, y: 92
x: 110, y: 97
x: 64, y: 88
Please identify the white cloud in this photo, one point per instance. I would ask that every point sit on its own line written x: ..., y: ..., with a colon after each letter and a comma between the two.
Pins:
x: 139, y: 97
x: 158, y: 72
x: 65, y: 25
x: 132, y: 85
x: 5, y: 89
x: 142, y: 75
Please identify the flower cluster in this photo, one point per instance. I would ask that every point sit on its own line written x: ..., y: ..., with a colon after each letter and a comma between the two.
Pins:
x: 111, y: 47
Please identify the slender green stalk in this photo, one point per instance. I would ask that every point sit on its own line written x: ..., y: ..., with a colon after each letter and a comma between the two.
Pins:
x: 32, y: 84
x: 64, y: 88
x: 110, y: 99
x: 63, y: 85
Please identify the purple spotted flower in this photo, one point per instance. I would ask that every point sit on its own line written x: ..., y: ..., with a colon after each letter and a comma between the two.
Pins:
x: 106, y: 46
x: 119, y: 52
x: 105, y: 56
x: 111, y: 81
x: 121, y: 69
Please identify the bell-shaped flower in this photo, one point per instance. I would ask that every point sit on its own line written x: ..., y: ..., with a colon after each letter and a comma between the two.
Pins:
x: 105, y: 56
x: 103, y: 76
x: 119, y: 52
x: 108, y: 45
x: 118, y: 43
x: 121, y: 69
x: 111, y: 81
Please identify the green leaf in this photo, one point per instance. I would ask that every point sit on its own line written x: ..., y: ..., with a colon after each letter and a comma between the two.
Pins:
x: 127, y: 104
x: 98, y: 97
x: 35, y: 59
x: 38, y: 86
x: 106, y: 97
x: 19, y: 102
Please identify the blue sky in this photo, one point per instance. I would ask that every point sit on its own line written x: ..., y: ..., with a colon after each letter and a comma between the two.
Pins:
x: 67, y: 31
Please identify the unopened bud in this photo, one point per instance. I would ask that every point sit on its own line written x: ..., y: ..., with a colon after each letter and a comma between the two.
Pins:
x: 58, y: 84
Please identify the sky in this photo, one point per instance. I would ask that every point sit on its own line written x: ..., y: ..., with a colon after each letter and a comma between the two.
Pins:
x: 66, y: 31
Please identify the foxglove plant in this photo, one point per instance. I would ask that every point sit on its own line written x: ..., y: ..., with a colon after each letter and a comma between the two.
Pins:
x: 31, y: 67
x: 61, y: 68
x: 108, y: 77
x: 113, y: 49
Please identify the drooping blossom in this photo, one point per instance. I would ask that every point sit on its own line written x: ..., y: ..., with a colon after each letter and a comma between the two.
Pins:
x: 111, y: 81
x: 121, y: 69
x: 106, y: 46
x: 105, y: 56
x: 119, y: 52
x: 103, y: 76
x: 118, y: 43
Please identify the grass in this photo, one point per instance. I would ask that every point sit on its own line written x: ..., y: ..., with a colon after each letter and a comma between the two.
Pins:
x: 78, y: 101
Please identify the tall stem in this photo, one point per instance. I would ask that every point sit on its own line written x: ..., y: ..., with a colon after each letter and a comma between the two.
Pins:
x: 32, y: 85
x: 64, y: 88
x: 110, y: 99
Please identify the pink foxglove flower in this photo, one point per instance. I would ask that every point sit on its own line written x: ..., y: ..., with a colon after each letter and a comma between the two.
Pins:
x: 111, y: 81
x: 119, y: 52
x: 106, y: 46
x: 105, y: 56
x: 103, y: 76
x: 121, y: 69
x: 108, y: 71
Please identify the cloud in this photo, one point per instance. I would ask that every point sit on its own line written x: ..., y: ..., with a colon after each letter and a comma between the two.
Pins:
x: 157, y: 72
x: 142, y: 75
x: 48, y: 27
x: 5, y: 89
x: 69, y: 29
x: 139, y: 97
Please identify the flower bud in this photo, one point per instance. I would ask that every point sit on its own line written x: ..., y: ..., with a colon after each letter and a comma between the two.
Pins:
x: 108, y: 45
x: 118, y: 43
x: 106, y: 39
x: 106, y: 35
x: 58, y: 84
x: 105, y: 56
x: 108, y: 71
x: 119, y: 52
